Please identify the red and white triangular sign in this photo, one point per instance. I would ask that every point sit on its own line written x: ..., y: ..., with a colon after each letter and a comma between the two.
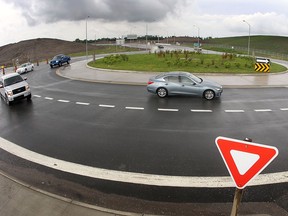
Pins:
x: 244, y: 160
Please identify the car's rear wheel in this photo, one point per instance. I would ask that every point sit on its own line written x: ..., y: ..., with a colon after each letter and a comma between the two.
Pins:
x: 162, y: 92
x: 209, y: 94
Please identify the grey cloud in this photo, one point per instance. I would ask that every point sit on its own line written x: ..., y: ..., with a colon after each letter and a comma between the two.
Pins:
x: 50, y: 11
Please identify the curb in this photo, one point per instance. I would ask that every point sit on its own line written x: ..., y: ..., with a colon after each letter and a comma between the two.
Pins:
x: 67, y: 200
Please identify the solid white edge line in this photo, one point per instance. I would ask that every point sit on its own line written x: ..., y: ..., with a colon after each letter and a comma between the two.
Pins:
x: 136, y: 178
x: 234, y: 111
x: 108, y: 106
x: 63, y: 101
x: 263, y: 110
x: 168, y: 110
x: 193, y: 110
x: 135, y: 108
x: 82, y: 103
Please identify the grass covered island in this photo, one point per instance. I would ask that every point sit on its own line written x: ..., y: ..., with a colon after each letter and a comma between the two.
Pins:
x: 183, y: 61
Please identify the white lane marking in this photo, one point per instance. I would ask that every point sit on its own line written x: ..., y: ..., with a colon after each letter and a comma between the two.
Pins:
x: 284, y: 109
x: 204, y: 111
x: 105, y: 105
x: 63, y: 101
x: 135, y: 108
x: 82, y: 103
x: 263, y: 110
x: 234, y: 111
x: 168, y: 110
x: 38, y: 96
x: 136, y: 178
x: 49, y: 98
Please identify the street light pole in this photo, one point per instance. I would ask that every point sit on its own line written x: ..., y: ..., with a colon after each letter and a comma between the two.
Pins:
x: 86, y: 39
x: 198, y: 35
x: 249, y: 36
x: 146, y: 36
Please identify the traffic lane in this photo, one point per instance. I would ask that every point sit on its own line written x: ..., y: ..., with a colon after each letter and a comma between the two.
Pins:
x: 177, y: 143
x: 138, y: 95
x: 46, y: 78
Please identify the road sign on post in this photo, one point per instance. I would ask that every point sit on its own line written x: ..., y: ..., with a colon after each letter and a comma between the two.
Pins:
x: 262, y: 67
x: 244, y: 160
x: 263, y: 60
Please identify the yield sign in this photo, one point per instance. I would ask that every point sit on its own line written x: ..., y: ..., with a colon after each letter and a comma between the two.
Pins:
x: 244, y: 160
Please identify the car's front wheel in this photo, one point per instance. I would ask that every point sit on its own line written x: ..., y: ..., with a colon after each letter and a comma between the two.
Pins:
x: 7, y: 101
x: 29, y: 97
x: 209, y: 94
x: 162, y: 92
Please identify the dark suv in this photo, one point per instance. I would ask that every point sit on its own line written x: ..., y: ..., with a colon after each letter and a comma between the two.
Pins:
x: 58, y: 60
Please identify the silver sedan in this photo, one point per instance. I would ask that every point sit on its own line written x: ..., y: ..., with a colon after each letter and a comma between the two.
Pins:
x: 183, y: 83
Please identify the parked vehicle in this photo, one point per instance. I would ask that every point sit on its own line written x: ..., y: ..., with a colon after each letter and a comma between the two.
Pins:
x: 24, y: 68
x: 183, y: 83
x: 13, y: 87
x: 59, y: 60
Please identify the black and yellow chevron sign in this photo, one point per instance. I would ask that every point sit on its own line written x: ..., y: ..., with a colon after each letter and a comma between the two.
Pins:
x: 262, y: 67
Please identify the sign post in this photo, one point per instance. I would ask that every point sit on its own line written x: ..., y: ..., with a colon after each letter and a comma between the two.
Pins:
x: 244, y: 160
x: 236, y: 201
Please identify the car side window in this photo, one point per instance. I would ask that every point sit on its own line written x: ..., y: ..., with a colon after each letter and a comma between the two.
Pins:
x: 186, y: 80
x: 173, y: 79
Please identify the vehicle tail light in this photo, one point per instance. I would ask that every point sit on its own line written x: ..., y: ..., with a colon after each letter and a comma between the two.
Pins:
x: 150, y: 82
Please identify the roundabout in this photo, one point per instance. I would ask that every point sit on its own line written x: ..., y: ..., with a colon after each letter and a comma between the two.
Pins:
x: 119, y: 139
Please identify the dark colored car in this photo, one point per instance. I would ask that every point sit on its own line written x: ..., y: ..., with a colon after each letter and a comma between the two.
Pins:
x: 59, y: 60
x: 183, y: 83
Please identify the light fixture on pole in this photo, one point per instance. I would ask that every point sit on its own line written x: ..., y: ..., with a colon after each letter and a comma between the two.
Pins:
x: 248, y: 36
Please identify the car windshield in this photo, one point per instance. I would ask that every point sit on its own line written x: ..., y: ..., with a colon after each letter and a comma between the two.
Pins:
x: 195, y: 78
x: 56, y: 57
x: 12, y: 80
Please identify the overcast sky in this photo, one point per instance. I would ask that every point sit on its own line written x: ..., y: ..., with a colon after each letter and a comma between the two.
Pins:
x: 66, y: 19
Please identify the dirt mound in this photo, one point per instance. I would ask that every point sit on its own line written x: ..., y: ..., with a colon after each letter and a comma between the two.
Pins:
x: 37, y: 49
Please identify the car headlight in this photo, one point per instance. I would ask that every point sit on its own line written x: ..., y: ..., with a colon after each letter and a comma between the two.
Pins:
x: 27, y: 87
x: 9, y: 93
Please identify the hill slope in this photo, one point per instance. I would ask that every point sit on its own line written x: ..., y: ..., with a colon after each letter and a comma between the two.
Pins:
x: 276, y: 44
x: 37, y: 49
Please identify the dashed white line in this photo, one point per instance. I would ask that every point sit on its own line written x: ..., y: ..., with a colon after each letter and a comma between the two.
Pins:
x: 107, y: 106
x: 82, y: 103
x: 49, y: 98
x: 134, y: 108
x: 168, y: 110
x: 263, y: 110
x: 284, y: 109
x: 63, y: 101
x: 38, y: 96
x: 234, y: 111
x: 204, y: 111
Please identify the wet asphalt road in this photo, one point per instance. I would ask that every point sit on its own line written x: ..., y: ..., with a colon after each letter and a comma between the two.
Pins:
x: 94, y: 124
